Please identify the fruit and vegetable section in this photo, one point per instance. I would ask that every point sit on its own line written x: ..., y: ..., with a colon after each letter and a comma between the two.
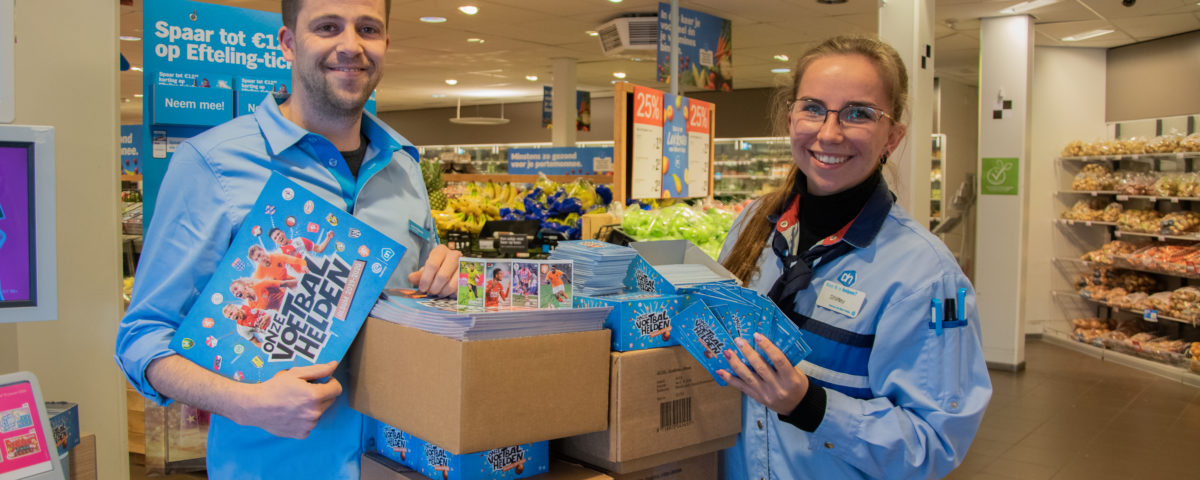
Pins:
x: 1127, y: 247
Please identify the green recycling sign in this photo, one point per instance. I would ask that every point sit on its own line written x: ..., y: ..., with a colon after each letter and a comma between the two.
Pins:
x: 999, y: 176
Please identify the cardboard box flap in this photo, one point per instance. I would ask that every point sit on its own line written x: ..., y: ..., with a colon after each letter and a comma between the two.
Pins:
x: 666, y: 252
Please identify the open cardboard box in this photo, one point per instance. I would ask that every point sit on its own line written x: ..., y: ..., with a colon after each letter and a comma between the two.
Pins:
x: 663, y: 407
x: 642, y: 275
x: 378, y: 467
x: 473, y: 396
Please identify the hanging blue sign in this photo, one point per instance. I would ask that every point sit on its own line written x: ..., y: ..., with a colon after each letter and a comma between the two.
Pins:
x: 705, y: 49
x: 131, y: 142
x: 560, y: 161
x: 547, y: 106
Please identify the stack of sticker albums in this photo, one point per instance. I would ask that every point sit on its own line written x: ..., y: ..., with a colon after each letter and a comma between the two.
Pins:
x: 497, y: 298
x: 599, y: 266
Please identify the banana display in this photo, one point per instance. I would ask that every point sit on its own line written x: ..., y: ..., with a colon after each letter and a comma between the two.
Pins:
x: 556, y: 206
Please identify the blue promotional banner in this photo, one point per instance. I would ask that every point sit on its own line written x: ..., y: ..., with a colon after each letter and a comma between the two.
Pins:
x: 191, y: 105
x: 560, y: 161
x: 131, y: 143
x: 705, y: 49
x: 186, y: 45
x: 583, y: 109
x: 547, y: 106
x: 675, y: 146
x: 250, y: 92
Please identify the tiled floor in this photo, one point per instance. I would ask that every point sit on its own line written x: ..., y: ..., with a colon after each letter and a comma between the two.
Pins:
x: 1070, y: 416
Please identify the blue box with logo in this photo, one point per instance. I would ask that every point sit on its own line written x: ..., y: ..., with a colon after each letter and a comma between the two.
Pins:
x: 514, y: 462
x: 64, y: 421
x: 638, y: 320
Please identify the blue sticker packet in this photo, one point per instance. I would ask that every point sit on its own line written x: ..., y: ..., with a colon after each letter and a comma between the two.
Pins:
x: 703, y: 336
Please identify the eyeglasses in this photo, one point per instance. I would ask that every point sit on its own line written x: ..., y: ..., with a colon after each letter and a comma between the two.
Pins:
x: 813, y: 114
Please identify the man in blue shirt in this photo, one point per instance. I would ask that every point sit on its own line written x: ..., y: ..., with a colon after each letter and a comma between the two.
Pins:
x: 289, y: 426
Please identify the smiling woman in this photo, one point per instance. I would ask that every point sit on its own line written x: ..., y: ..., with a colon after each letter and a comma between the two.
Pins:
x: 895, y: 387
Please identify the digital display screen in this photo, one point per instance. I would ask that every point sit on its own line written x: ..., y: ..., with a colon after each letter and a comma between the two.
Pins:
x: 24, y: 451
x: 18, y: 278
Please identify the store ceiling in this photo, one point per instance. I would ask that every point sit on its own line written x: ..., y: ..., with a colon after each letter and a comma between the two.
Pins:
x: 522, y: 36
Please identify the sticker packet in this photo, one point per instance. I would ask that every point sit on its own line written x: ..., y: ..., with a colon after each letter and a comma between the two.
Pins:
x: 703, y: 336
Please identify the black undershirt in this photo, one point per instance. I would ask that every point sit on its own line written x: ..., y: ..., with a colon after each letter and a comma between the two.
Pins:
x: 822, y: 216
x: 354, y: 158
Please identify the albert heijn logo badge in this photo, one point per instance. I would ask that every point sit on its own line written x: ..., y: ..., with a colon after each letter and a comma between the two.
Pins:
x: 847, y: 278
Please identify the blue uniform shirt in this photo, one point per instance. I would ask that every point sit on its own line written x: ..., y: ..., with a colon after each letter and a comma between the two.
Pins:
x: 902, y: 400
x: 210, y: 186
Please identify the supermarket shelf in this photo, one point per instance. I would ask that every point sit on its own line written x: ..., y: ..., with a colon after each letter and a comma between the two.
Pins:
x: 1139, y: 157
x: 506, y: 178
x: 1142, y: 313
x: 734, y: 192
x: 1154, y: 198
x: 1180, y: 374
x: 1094, y: 193
x: 1086, y: 223
x: 131, y: 178
x: 1088, y: 264
x: 1159, y: 237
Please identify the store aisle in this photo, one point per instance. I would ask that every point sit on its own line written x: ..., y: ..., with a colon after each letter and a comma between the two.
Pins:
x: 1070, y: 416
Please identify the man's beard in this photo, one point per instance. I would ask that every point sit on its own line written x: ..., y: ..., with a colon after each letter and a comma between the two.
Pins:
x: 327, y: 101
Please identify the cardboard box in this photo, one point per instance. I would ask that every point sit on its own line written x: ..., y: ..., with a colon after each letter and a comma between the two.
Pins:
x: 638, y: 320
x: 518, y: 461
x: 591, y: 223
x: 64, y: 421
x: 376, y: 467
x: 475, y: 396
x: 663, y: 407
x: 703, y: 467
x: 642, y: 276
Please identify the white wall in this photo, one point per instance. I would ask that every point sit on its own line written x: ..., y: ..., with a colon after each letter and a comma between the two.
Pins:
x: 959, y: 113
x: 66, y: 77
x: 1068, y: 104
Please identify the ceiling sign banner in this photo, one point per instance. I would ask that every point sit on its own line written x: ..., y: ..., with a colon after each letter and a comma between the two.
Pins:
x: 705, y: 49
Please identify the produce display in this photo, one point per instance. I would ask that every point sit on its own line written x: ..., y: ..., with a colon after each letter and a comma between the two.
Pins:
x: 1171, y: 143
x: 1107, y: 252
x: 1177, y: 185
x: 1142, y: 221
x: 466, y: 207
x: 704, y: 227
x: 1094, y: 177
x: 1135, y: 337
x: 1094, y: 210
x: 1136, y: 183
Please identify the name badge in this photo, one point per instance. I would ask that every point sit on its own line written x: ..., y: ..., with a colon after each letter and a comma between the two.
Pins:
x: 841, y: 299
x: 420, y: 231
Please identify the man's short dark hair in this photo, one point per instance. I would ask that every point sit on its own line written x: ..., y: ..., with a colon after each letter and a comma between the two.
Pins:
x: 291, y: 12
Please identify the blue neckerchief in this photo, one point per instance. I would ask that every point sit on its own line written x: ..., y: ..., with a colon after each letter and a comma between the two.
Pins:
x: 798, y: 267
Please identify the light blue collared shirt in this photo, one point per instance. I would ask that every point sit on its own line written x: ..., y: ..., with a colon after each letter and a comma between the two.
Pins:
x: 924, y: 393
x: 213, y: 180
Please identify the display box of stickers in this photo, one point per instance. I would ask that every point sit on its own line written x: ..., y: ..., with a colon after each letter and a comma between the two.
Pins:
x: 512, y: 462
x: 638, y: 320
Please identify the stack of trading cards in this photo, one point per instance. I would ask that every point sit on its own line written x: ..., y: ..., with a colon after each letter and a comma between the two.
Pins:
x: 497, y: 298
x: 599, y: 266
x: 443, y: 316
x: 685, y: 274
x: 498, y: 284
x: 719, y: 312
